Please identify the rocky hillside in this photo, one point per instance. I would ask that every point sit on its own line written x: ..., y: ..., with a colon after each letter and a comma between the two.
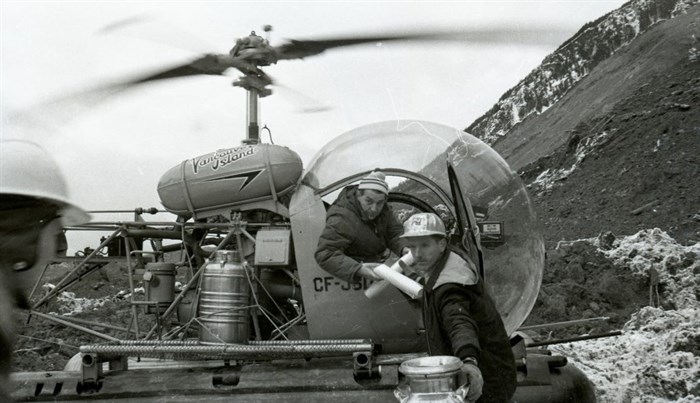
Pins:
x: 619, y: 150
x: 508, y: 127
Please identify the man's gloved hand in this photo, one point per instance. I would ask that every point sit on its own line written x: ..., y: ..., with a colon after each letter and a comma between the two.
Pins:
x: 471, y: 378
x: 367, y: 270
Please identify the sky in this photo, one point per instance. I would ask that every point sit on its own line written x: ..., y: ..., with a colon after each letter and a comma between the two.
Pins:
x: 112, y: 153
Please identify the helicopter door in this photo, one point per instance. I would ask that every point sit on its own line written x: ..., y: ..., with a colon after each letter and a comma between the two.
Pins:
x: 466, y: 234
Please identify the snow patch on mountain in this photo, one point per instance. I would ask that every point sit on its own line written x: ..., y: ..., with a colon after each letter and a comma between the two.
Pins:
x: 549, y: 177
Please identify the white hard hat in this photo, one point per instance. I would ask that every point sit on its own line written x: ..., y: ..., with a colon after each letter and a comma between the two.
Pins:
x: 423, y: 224
x: 28, y: 170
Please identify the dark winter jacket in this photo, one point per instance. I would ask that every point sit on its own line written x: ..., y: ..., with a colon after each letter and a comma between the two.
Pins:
x: 461, y: 320
x: 348, y: 240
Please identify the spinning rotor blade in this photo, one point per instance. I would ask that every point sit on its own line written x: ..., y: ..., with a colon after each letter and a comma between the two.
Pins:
x: 208, y: 64
x: 298, y: 49
x: 63, y: 109
x: 256, y: 52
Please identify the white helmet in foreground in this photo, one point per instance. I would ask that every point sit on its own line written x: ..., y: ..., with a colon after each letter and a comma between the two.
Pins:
x: 423, y: 224
x: 28, y: 170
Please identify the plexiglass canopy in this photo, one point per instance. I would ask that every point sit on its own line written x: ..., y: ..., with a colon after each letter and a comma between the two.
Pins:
x: 513, y: 270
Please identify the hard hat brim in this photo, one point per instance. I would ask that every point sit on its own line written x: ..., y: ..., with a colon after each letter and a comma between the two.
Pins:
x: 73, y: 215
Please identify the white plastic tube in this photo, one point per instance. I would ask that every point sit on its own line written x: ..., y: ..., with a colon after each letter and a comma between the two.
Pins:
x: 392, y: 275
x: 381, y: 285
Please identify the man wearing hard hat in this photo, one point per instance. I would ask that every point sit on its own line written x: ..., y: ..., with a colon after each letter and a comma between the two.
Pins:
x: 460, y: 318
x: 34, y: 207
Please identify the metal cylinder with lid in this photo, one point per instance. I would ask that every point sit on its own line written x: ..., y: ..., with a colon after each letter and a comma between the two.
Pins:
x: 430, y: 379
x: 224, y: 300
x: 159, y: 281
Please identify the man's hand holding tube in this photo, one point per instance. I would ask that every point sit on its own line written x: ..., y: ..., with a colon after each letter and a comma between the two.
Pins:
x: 471, y: 380
x: 367, y: 270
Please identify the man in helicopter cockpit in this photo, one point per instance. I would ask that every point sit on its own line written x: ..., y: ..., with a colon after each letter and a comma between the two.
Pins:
x: 33, y: 207
x: 360, y: 226
x: 459, y: 316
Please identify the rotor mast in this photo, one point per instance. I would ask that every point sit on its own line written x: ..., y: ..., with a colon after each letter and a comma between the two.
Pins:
x: 251, y: 53
x: 253, y: 129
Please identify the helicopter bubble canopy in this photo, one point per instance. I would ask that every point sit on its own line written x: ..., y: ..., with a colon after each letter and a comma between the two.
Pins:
x: 414, y: 156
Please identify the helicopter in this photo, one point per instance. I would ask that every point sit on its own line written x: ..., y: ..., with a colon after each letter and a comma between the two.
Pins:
x: 306, y: 334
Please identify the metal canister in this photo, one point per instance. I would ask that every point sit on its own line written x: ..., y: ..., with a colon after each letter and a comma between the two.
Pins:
x: 159, y: 285
x: 185, y: 310
x: 430, y: 379
x: 224, y: 300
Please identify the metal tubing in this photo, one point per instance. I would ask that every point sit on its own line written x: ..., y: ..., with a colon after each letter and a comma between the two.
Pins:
x: 110, y: 211
x: 60, y: 286
x: 320, y: 342
x: 119, y: 224
x: 252, y: 124
x: 134, y: 313
x: 91, y: 323
x: 256, y: 324
x: 159, y: 233
x: 283, y: 328
x: 563, y: 324
x: 38, y: 280
x: 74, y: 326
x: 234, y: 351
x: 572, y: 339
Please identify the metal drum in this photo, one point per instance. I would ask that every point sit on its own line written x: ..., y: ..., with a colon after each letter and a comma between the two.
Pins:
x: 430, y: 379
x: 159, y: 280
x: 224, y: 300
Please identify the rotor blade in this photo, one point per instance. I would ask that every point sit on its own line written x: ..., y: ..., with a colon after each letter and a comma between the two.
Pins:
x: 65, y: 108
x: 297, y: 49
x: 208, y: 64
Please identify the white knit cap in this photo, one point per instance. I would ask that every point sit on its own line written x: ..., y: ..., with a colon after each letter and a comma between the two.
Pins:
x: 375, y: 181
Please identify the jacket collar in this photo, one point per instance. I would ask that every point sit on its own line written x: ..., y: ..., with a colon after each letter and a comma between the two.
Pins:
x: 437, y: 269
x: 452, y: 267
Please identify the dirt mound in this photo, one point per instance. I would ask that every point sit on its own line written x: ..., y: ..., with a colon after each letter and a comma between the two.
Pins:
x: 580, y: 282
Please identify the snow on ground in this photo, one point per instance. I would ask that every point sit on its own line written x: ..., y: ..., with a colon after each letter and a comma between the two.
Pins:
x: 657, y: 359
x: 69, y: 304
x: 548, y: 178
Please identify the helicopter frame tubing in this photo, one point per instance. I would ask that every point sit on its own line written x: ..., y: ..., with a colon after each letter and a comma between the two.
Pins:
x: 129, y: 231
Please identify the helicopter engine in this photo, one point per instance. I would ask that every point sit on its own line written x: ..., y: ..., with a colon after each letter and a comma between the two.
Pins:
x: 245, y: 177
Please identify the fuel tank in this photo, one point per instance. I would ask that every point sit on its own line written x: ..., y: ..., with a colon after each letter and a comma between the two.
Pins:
x: 228, y: 178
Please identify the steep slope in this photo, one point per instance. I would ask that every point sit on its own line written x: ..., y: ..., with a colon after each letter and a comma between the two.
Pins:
x: 632, y: 168
x: 626, y: 136
x: 551, y: 96
x: 613, y: 81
